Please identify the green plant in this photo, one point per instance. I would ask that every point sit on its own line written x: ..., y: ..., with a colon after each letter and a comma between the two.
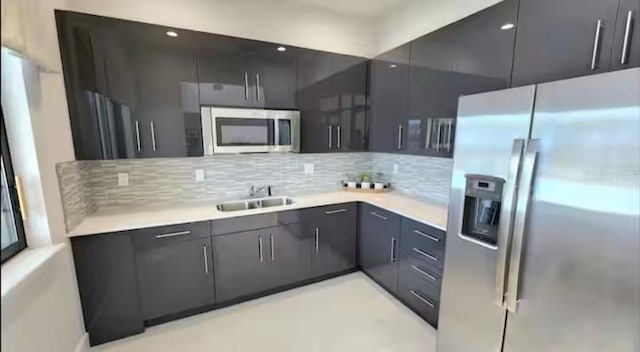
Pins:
x: 365, y: 177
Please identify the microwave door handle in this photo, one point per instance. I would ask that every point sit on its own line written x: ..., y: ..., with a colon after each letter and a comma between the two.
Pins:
x: 276, y: 132
x: 519, y: 223
x: 505, y: 228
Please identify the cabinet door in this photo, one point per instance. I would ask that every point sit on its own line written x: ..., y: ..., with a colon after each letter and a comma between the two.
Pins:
x: 153, y: 77
x: 349, y: 84
x: 555, y: 39
x: 314, y: 71
x: 288, y: 254
x: 175, y: 276
x: 379, y: 239
x: 224, y: 71
x: 334, y: 243
x: 389, y: 91
x: 105, y: 268
x: 273, y: 76
x: 241, y: 264
x: 626, y: 45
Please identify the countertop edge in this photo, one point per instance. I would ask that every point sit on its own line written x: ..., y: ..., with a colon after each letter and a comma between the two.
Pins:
x: 436, y: 217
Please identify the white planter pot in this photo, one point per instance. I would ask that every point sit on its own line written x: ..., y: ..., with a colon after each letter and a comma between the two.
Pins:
x: 378, y: 185
x: 352, y: 184
x: 365, y: 185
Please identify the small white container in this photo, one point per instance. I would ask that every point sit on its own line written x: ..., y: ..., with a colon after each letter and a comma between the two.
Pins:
x: 352, y: 184
x: 365, y: 185
x: 378, y: 185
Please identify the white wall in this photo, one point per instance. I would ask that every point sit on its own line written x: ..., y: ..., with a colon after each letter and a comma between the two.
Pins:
x: 42, y: 313
x: 273, y: 20
x: 418, y: 17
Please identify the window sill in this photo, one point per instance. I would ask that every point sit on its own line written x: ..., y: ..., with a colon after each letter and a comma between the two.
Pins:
x: 18, y: 269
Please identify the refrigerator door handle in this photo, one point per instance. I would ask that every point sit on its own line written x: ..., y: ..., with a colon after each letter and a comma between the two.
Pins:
x: 521, y: 213
x: 505, y: 230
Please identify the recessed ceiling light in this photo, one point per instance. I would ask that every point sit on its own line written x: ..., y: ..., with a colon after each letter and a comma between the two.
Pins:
x: 172, y: 34
x: 393, y: 66
x: 507, y: 26
x: 281, y: 48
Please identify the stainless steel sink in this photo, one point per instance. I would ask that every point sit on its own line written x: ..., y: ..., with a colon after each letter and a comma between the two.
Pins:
x: 256, y: 203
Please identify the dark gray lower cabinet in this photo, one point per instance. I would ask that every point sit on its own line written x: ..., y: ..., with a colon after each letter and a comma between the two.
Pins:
x: 175, y: 269
x: 287, y: 254
x: 105, y: 268
x: 334, y: 242
x: 240, y: 264
x: 379, y: 239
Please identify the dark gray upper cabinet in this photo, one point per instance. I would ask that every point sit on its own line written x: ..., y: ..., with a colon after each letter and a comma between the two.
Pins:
x: 132, y: 90
x: 332, y: 96
x: 389, y: 91
x: 626, y: 45
x: 105, y: 269
x: 559, y: 39
x: 334, y: 240
x: 245, y: 73
x: 175, y: 268
x: 467, y: 57
x: 379, y: 244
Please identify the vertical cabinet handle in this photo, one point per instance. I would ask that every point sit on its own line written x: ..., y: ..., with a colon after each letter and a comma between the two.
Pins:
x: 627, y: 36
x: 596, y: 45
x: 429, y: 133
x: 153, y: 136
x: 258, y: 86
x: 260, y: 249
x: 246, y: 86
x: 439, y: 133
x: 339, y: 143
x: 393, y: 249
x: 400, y: 136
x: 273, y: 253
x: 138, y: 136
x: 317, y: 245
x: 206, y: 261
x: 330, y: 137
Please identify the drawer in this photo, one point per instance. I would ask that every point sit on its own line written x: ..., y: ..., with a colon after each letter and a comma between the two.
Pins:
x: 315, y: 213
x: 413, y: 294
x: 384, y: 220
x: 244, y: 223
x: 416, y: 268
x: 423, y: 241
x: 163, y: 235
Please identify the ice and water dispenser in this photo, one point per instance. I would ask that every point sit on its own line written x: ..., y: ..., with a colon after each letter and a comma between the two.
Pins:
x: 482, y: 203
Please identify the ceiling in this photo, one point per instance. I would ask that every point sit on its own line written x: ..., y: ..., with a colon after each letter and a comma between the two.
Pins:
x: 360, y: 8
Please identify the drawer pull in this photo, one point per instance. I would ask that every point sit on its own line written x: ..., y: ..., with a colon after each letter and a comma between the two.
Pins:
x: 173, y: 234
x: 424, y: 300
x: 424, y: 273
x: 379, y: 216
x: 335, y: 211
x: 426, y: 235
x: 423, y: 253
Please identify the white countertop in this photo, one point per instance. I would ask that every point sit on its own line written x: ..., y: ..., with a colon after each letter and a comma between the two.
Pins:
x: 428, y: 213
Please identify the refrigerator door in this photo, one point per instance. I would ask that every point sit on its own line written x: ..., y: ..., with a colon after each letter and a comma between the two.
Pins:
x: 490, y: 135
x: 579, y: 277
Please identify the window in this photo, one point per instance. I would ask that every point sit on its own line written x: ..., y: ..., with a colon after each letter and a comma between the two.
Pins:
x: 13, y: 240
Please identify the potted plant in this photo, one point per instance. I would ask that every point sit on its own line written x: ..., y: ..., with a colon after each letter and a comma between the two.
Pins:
x: 350, y: 181
x: 379, y: 181
x: 365, y: 180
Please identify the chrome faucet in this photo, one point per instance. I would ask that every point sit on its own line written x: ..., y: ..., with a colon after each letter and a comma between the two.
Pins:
x: 253, y: 191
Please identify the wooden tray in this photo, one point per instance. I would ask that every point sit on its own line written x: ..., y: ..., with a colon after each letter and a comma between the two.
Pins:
x: 367, y: 190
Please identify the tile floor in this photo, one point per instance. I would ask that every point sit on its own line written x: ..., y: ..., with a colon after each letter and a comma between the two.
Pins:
x: 345, y: 314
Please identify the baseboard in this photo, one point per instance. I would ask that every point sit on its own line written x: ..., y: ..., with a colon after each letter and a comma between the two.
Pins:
x: 83, y: 344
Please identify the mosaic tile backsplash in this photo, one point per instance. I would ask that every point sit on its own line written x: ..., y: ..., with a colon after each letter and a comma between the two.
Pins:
x: 92, y: 186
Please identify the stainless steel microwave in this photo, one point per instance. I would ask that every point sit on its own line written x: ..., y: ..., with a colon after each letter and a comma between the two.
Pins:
x: 235, y: 130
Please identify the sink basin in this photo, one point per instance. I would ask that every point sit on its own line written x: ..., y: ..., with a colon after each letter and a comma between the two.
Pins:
x: 257, y: 203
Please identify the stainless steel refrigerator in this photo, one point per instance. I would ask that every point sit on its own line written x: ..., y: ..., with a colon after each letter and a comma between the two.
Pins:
x: 543, y: 235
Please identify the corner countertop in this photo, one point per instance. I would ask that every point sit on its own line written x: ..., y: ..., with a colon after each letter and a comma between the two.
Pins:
x: 428, y: 213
